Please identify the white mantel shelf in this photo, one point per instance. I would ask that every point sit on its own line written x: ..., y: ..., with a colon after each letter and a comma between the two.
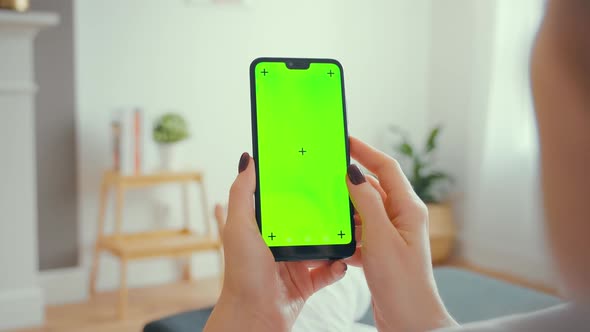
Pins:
x: 21, y: 297
x: 28, y: 19
x: 17, y: 32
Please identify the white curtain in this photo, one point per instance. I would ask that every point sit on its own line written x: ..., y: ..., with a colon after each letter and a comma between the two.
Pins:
x: 505, y: 187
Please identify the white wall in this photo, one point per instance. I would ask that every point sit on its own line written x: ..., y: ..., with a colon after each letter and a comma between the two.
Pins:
x: 164, y: 55
x: 498, y: 208
x: 461, y: 49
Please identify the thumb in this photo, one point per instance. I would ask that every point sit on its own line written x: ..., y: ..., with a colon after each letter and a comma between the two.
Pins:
x: 328, y: 274
x: 241, y: 194
x: 369, y: 204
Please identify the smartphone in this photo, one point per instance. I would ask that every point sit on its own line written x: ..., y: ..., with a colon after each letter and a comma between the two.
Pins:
x: 301, y: 149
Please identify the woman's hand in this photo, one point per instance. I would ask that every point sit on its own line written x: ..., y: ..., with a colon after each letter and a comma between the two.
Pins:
x: 395, y: 250
x: 259, y: 294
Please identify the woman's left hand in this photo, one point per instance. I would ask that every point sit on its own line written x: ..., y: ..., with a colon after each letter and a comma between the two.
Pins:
x: 259, y: 294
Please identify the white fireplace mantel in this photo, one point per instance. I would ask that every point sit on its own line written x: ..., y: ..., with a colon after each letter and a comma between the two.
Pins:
x: 17, y: 32
x: 34, y: 20
x: 21, y: 299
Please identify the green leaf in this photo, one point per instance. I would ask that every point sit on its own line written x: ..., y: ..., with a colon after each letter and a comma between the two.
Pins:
x: 427, y: 197
x: 431, y: 142
x: 417, y: 179
x: 423, y: 184
x: 435, y: 177
x: 431, y: 179
x: 406, y: 149
x: 418, y: 165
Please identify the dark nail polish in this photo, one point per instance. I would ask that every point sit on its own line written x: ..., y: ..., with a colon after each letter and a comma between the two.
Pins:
x: 244, y: 160
x: 355, y: 175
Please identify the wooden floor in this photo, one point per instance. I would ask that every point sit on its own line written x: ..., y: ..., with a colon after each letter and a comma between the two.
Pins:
x: 147, y: 304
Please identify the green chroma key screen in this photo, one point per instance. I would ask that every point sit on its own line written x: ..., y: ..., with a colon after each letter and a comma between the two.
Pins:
x: 302, y: 155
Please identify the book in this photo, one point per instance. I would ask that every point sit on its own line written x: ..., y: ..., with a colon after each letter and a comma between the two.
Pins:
x: 127, y: 141
x: 116, y: 144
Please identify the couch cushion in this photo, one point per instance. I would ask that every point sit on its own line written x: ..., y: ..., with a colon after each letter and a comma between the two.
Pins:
x: 471, y: 297
x: 192, y: 321
x: 468, y: 297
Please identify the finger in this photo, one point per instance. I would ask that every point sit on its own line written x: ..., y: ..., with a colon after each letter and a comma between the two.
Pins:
x: 391, y: 209
x: 285, y: 275
x: 314, y: 264
x: 357, y: 258
x: 328, y: 274
x: 358, y: 233
x: 375, y: 183
x: 220, y: 217
x: 367, y: 201
x: 241, y: 195
x: 357, y: 219
x: 391, y: 177
x: 219, y: 212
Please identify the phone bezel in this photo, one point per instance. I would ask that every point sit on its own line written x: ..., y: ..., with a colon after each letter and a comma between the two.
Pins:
x: 298, y: 253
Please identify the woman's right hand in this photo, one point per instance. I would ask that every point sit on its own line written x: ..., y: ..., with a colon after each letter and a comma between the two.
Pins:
x: 395, y: 250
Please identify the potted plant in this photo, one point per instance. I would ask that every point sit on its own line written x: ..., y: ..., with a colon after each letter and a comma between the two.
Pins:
x: 169, y: 129
x: 426, y: 181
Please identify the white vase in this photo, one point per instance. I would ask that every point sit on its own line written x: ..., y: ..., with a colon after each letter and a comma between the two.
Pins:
x: 167, y: 156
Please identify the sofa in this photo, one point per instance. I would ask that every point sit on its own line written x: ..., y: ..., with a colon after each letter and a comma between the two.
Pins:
x: 468, y: 296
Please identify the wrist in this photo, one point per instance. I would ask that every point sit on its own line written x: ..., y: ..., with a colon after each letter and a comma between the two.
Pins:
x: 231, y: 313
x: 445, y: 321
x: 432, y: 315
x: 441, y: 317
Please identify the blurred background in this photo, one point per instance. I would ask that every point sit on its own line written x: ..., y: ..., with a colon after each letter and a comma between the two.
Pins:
x: 74, y: 72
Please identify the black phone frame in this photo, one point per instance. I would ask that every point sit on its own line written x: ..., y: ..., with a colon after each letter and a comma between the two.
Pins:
x: 313, y: 252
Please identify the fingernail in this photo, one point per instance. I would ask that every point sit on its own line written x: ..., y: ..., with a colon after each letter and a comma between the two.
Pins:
x: 355, y: 175
x: 244, y: 160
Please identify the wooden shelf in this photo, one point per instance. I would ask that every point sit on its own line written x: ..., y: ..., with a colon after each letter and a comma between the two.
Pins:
x: 157, y: 244
x: 154, y: 179
x: 177, y: 244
